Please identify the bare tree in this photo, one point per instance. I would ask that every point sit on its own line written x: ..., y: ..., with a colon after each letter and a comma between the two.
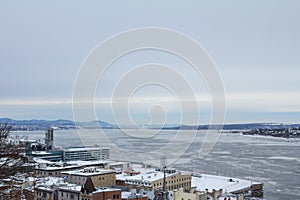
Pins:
x: 10, y: 153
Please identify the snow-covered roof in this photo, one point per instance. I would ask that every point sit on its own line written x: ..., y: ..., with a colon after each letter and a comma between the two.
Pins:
x: 146, y: 176
x: 40, y: 160
x: 56, y: 168
x: 84, y: 172
x: 101, y: 189
x: 70, y: 187
x: 85, y: 163
x: 49, y: 181
x: 211, y: 182
x: 47, y: 184
x: 40, y: 153
x: 127, y: 195
x: 84, y: 148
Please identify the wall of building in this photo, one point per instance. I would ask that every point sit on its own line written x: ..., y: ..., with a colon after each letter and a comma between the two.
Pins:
x: 99, y: 180
x: 41, y: 194
x: 181, y: 195
x: 175, y: 181
x: 68, y: 195
x: 86, y: 154
x: 29, y: 194
x: 113, y: 195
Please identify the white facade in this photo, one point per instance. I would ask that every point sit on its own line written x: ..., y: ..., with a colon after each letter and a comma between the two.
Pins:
x: 86, y: 153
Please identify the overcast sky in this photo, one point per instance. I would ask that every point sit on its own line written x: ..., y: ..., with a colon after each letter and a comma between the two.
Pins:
x: 255, y: 45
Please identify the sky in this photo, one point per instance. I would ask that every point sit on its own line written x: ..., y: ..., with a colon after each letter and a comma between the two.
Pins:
x: 254, y: 44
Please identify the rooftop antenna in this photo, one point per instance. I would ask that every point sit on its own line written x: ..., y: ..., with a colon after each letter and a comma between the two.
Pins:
x: 163, y: 163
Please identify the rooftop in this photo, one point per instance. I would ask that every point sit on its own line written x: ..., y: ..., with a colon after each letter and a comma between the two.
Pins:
x: 49, y: 183
x: 146, y: 176
x: 89, y: 171
x: 84, y: 148
x: 127, y: 195
x: 211, y: 182
x: 106, y: 189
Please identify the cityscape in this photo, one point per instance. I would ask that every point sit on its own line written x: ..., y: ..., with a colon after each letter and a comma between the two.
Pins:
x: 44, y: 172
x: 150, y: 100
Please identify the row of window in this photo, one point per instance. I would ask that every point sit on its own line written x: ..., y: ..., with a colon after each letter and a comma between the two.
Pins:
x: 72, y: 196
x: 41, y: 194
x: 171, y: 182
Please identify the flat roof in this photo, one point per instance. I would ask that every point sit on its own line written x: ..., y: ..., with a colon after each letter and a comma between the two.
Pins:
x: 228, y: 184
x: 81, y: 172
x: 57, y: 168
x: 70, y: 187
x: 127, y: 195
x: 84, y: 148
x: 146, y: 176
x: 40, y: 153
x: 84, y: 163
x: 101, y: 189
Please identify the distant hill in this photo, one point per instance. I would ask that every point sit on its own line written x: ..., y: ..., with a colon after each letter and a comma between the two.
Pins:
x: 35, y: 124
x: 234, y: 126
x: 95, y: 124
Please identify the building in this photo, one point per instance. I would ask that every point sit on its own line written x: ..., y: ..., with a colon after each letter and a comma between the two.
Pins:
x: 86, y: 153
x: 107, y: 193
x: 90, y: 192
x: 100, y: 177
x: 28, y: 193
x: 153, y: 180
x: 49, y: 139
x: 10, y: 192
x: 54, y: 188
x: 180, y: 194
x: 43, y: 193
x: 132, y: 195
x: 45, y: 171
x: 69, y: 192
x: 212, y: 184
x: 46, y: 168
x: 51, y: 155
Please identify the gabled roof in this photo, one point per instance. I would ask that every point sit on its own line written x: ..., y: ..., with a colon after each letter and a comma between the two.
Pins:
x: 88, y: 186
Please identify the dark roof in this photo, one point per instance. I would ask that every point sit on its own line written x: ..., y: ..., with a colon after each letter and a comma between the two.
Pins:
x: 88, y: 186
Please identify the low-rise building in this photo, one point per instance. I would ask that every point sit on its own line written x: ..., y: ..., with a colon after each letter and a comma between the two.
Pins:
x: 90, y: 192
x: 54, y: 188
x: 69, y: 192
x: 100, y: 177
x: 132, y: 195
x: 180, y: 194
x: 43, y: 193
x: 153, y: 180
x: 46, y: 171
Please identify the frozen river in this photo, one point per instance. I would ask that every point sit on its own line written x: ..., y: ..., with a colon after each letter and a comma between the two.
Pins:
x: 273, y: 161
